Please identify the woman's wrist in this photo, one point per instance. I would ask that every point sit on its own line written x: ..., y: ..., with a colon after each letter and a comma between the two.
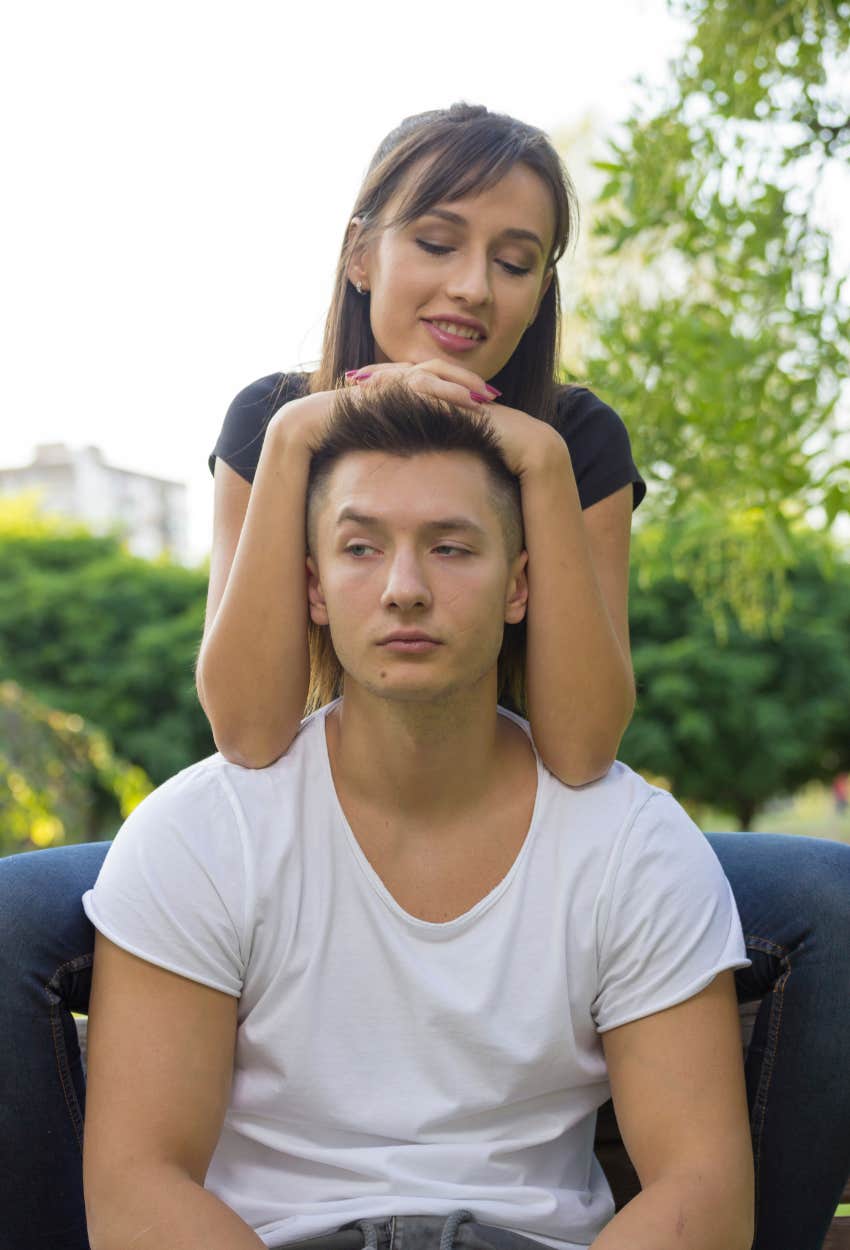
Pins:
x: 298, y: 426
x: 545, y: 455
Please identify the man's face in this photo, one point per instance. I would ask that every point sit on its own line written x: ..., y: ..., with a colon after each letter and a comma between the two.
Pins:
x: 410, y: 571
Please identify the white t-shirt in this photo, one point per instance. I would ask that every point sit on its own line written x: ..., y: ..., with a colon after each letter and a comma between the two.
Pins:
x: 386, y: 1065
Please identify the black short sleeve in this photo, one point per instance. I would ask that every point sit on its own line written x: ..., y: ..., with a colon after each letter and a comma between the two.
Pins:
x: 599, y: 446
x: 597, y: 439
x: 241, y: 439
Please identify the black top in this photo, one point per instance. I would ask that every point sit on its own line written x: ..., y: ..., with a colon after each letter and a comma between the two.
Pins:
x: 596, y: 437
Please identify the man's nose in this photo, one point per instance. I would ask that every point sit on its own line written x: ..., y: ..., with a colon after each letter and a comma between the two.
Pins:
x: 469, y: 279
x: 406, y: 585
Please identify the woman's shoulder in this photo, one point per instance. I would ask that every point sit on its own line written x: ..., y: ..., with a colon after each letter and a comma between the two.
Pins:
x: 599, y: 445
x: 241, y: 438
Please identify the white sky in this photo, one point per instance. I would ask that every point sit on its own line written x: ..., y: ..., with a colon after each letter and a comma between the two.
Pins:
x: 178, y: 178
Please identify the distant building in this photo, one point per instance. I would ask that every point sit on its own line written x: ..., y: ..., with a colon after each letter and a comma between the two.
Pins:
x: 150, y: 513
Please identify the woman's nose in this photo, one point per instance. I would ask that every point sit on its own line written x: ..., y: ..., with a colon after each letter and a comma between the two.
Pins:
x: 469, y: 279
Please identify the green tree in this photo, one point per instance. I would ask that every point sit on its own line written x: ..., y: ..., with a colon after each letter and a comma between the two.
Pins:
x: 720, y: 325
x: 735, y: 724
x: 92, y: 630
x: 60, y: 780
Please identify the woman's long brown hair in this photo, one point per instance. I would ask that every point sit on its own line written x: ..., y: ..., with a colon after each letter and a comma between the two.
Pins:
x: 455, y: 152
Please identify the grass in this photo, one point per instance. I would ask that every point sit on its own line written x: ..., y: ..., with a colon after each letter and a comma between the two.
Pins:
x: 810, y: 812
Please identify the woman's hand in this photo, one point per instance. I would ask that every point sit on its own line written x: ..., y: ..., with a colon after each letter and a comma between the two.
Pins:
x: 526, y: 443
x: 440, y: 378
x: 303, y: 421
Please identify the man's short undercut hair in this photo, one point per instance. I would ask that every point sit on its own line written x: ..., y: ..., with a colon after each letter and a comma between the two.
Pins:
x: 397, y: 421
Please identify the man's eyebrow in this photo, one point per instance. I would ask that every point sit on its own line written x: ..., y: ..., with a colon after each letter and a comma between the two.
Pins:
x: 457, y: 524
x: 512, y: 232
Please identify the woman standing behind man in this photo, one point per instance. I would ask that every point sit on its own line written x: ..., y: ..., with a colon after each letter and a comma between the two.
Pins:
x: 447, y: 278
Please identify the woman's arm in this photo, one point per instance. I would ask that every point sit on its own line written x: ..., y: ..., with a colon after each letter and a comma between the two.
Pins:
x: 253, y: 667
x: 579, y: 681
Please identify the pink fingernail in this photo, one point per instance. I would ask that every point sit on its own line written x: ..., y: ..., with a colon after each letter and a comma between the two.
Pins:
x: 480, y: 399
x: 493, y: 391
x: 351, y: 373
x: 361, y: 376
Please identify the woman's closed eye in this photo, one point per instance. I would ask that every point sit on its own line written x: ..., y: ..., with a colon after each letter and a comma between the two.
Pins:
x: 442, y: 249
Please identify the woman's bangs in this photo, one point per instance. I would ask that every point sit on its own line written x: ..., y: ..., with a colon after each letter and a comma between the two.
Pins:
x: 459, y: 170
x: 462, y: 169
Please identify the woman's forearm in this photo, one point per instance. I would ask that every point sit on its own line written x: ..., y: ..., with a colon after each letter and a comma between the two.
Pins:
x: 580, y: 685
x: 253, y: 667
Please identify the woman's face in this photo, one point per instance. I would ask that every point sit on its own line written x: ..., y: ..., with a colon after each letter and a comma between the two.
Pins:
x: 465, y: 280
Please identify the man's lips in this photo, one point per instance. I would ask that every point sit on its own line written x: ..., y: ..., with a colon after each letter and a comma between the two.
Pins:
x: 408, y: 635
x: 411, y: 642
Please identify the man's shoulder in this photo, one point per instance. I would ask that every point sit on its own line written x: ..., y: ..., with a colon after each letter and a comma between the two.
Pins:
x: 603, y: 811
x: 614, y: 802
x: 217, y: 784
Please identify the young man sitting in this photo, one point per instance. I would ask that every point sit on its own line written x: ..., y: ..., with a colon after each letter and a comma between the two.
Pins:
x: 380, y: 988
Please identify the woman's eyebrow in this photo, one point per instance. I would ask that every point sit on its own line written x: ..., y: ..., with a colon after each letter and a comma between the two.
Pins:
x: 512, y: 232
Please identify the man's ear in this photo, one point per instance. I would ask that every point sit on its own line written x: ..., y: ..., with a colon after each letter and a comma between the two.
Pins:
x: 516, y: 599
x: 315, y: 594
x: 547, y: 282
x: 357, y: 270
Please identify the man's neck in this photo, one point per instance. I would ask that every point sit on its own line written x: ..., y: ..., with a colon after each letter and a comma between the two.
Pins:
x: 428, y: 761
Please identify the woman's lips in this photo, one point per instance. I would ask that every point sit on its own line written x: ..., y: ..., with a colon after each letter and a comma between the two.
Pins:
x: 452, y: 342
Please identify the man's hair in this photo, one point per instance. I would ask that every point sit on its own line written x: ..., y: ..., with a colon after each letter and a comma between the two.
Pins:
x: 394, y: 420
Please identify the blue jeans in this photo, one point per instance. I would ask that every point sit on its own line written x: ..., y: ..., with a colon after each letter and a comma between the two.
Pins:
x: 793, y: 895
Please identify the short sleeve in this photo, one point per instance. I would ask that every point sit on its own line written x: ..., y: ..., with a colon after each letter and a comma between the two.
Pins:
x: 241, y: 439
x: 667, y: 922
x: 172, y: 889
x: 599, y: 447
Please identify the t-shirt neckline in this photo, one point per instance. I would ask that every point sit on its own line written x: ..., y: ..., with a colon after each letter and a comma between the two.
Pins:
x: 443, y: 928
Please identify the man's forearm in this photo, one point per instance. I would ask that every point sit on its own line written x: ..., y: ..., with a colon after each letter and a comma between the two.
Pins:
x: 687, y: 1212
x: 167, y: 1210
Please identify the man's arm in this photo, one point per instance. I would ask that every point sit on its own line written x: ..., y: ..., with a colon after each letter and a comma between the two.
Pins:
x: 677, y: 1081
x: 160, y: 1059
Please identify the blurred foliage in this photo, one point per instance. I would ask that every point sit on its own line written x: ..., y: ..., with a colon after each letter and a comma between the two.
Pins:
x: 720, y: 325
x: 735, y: 725
x: 59, y: 778
x: 92, y: 630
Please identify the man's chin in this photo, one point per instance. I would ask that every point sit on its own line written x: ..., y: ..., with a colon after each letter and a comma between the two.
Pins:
x: 410, y: 693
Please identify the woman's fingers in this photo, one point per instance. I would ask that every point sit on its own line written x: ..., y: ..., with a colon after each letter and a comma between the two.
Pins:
x: 451, y: 372
x: 464, y: 386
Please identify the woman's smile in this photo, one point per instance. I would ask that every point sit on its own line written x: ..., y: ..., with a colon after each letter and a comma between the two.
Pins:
x: 472, y: 274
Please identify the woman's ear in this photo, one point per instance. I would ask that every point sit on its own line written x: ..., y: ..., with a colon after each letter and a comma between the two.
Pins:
x: 315, y: 594
x: 357, y: 271
x: 516, y: 600
x: 547, y: 282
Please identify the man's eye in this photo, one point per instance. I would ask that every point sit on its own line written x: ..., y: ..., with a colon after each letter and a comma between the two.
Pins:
x: 452, y: 551
x: 357, y: 549
x: 433, y: 249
